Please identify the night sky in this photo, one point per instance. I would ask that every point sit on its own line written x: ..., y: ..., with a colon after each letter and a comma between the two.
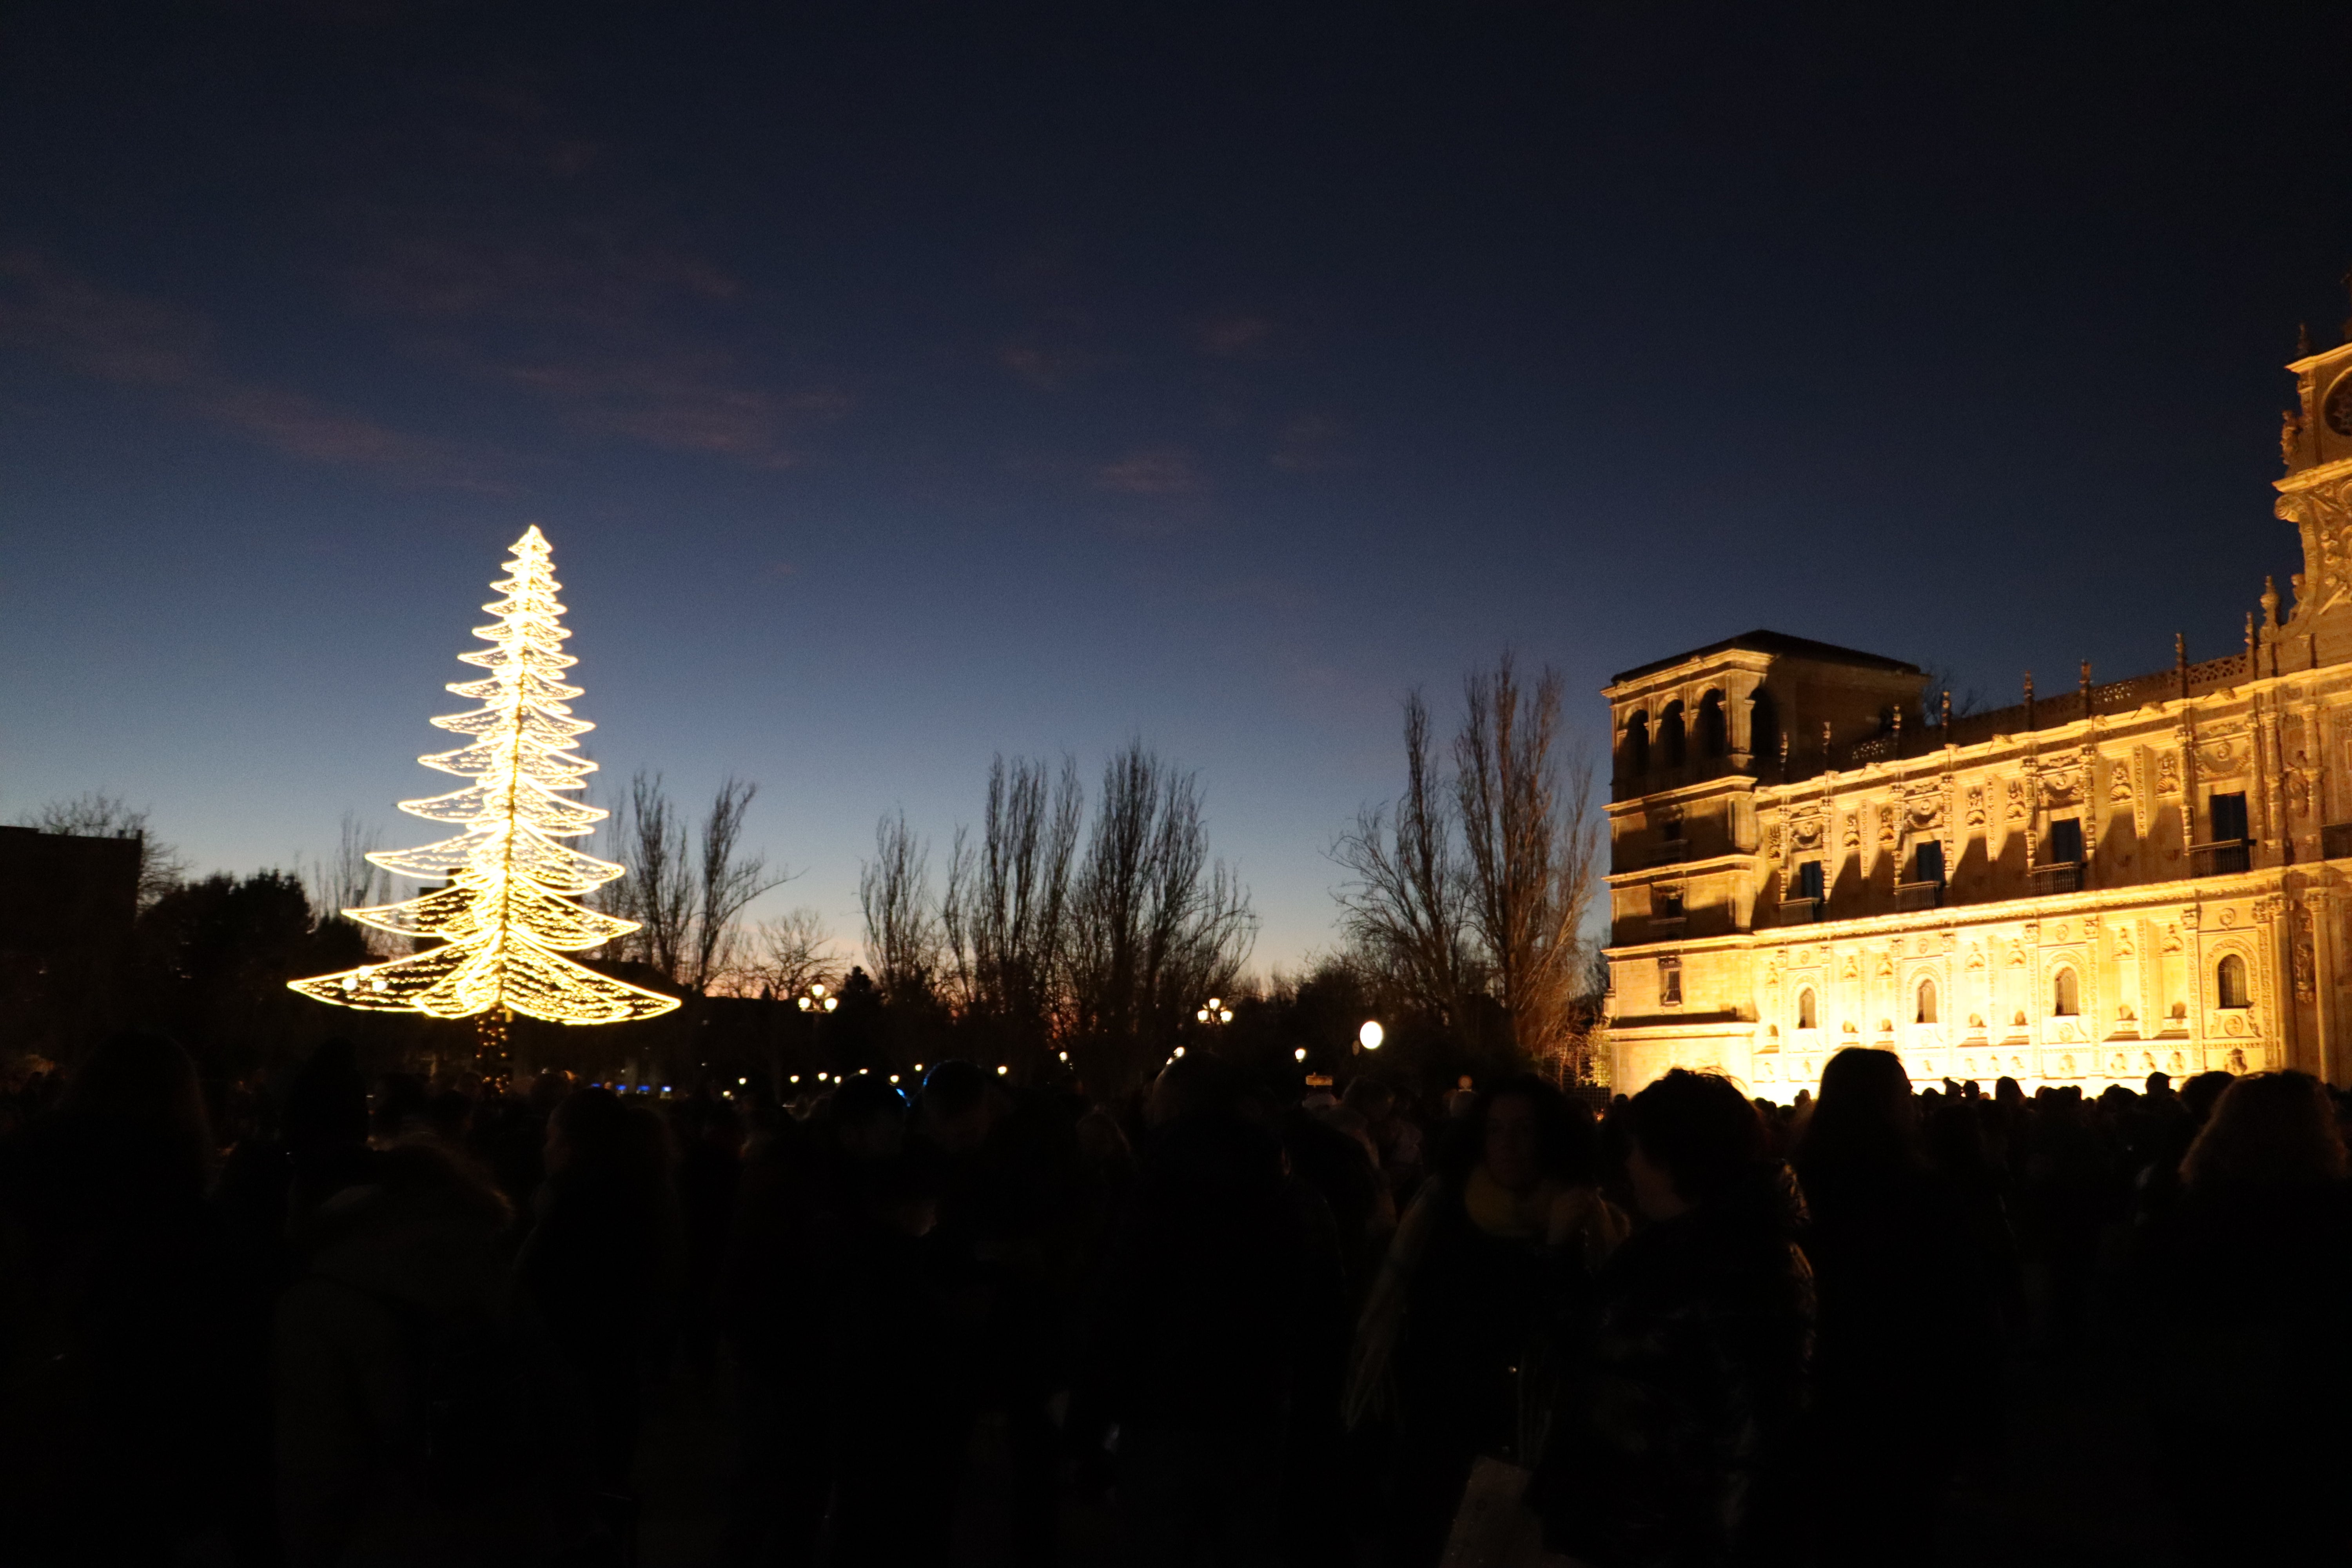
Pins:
x: 899, y: 386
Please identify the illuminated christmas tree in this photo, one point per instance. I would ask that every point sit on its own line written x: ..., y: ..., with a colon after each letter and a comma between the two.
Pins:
x: 507, y: 911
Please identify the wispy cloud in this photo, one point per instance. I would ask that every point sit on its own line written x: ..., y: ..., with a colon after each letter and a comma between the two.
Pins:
x: 614, y: 332
x: 126, y: 339
x: 1155, y: 471
x: 1234, y: 336
x: 1311, y: 444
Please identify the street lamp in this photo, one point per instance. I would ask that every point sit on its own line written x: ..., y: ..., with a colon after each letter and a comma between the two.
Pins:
x: 1370, y: 1037
x: 1216, y: 1012
x: 816, y: 999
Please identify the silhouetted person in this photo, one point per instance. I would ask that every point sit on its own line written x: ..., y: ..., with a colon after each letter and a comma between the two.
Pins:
x: 900, y: 1353
x: 602, y: 1261
x: 2250, y: 1278
x: 129, y: 1427
x: 1462, y: 1330
x: 326, y: 1126
x: 1218, y: 1307
x: 1896, y: 1267
x: 801, y: 1188
x: 419, y: 1422
x: 710, y: 1170
x: 1679, y: 1443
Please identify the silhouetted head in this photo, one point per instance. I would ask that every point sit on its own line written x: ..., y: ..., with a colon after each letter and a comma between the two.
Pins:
x: 1865, y: 1118
x: 956, y: 1108
x: 2270, y: 1131
x: 596, y: 1135
x: 1200, y: 1083
x: 1693, y: 1139
x: 142, y: 1088
x: 868, y: 1117
x: 2160, y: 1085
x: 326, y: 1105
x: 2202, y: 1091
x: 1522, y: 1131
x: 1369, y: 1099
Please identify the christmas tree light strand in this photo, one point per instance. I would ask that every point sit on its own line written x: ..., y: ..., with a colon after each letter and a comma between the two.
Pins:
x: 506, y: 916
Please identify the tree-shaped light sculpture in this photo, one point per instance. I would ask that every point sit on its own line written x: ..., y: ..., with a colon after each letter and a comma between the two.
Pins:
x: 507, y: 911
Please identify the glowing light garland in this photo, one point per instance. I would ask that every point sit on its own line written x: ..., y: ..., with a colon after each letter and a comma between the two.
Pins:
x: 506, y: 915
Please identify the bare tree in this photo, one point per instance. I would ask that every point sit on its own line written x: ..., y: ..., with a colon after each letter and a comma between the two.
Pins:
x: 351, y: 880
x: 1009, y: 897
x: 97, y: 815
x: 1405, y: 910
x: 1155, y: 927
x: 904, y: 941
x: 1526, y: 815
x: 658, y: 891
x: 729, y: 881
x: 782, y: 956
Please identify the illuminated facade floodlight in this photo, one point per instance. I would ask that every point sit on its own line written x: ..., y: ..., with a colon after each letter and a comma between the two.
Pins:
x: 1371, y: 1036
x: 507, y: 910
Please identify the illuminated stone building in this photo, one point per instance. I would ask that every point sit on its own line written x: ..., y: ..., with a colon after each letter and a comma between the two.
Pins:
x: 2105, y: 881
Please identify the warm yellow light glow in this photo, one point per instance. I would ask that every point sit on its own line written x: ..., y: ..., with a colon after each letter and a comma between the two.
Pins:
x: 831, y: 1003
x: 1300, y: 1055
x: 1202, y: 1015
x: 805, y: 1003
x: 1371, y: 1036
x: 1180, y: 1051
x: 816, y: 990
x: 1225, y: 1016
x: 1214, y: 1003
x: 507, y: 910
x: 1001, y: 1070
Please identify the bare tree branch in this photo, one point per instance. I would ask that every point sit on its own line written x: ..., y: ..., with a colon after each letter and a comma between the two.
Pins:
x: 903, y: 937
x: 97, y: 815
x: 1405, y: 910
x: 729, y: 881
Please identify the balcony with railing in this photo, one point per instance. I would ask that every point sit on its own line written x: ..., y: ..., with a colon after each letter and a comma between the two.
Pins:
x: 1801, y: 912
x: 1808, y: 758
x: 2222, y: 858
x: 1670, y: 851
x: 1910, y: 898
x: 2059, y: 876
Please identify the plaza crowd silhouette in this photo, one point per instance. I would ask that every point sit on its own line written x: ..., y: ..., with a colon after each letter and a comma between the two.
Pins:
x: 342, y: 1321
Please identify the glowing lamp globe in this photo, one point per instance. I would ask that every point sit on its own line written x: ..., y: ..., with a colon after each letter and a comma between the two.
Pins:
x: 1371, y: 1036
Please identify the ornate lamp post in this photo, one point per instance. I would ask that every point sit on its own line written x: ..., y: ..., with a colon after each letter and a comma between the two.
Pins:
x: 1216, y: 1012
x: 817, y: 999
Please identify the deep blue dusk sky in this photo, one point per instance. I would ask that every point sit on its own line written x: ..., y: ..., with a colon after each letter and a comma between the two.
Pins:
x: 902, y: 384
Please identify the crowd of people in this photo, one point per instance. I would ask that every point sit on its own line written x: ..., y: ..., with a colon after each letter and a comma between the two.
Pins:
x: 412, y: 1322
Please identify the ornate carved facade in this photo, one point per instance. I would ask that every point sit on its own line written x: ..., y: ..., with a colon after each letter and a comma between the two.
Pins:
x: 2139, y: 875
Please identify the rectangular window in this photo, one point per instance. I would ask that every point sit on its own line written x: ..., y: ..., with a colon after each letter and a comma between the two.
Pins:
x: 2229, y: 816
x: 1809, y: 879
x: 2066, y: 841
x: 1928, y: 862
x: 1670, y: 982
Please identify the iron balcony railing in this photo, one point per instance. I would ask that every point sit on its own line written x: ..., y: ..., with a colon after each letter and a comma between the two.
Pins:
x: 2222, y: 858
x: 1911, y: 896
x: 2060, y: 877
